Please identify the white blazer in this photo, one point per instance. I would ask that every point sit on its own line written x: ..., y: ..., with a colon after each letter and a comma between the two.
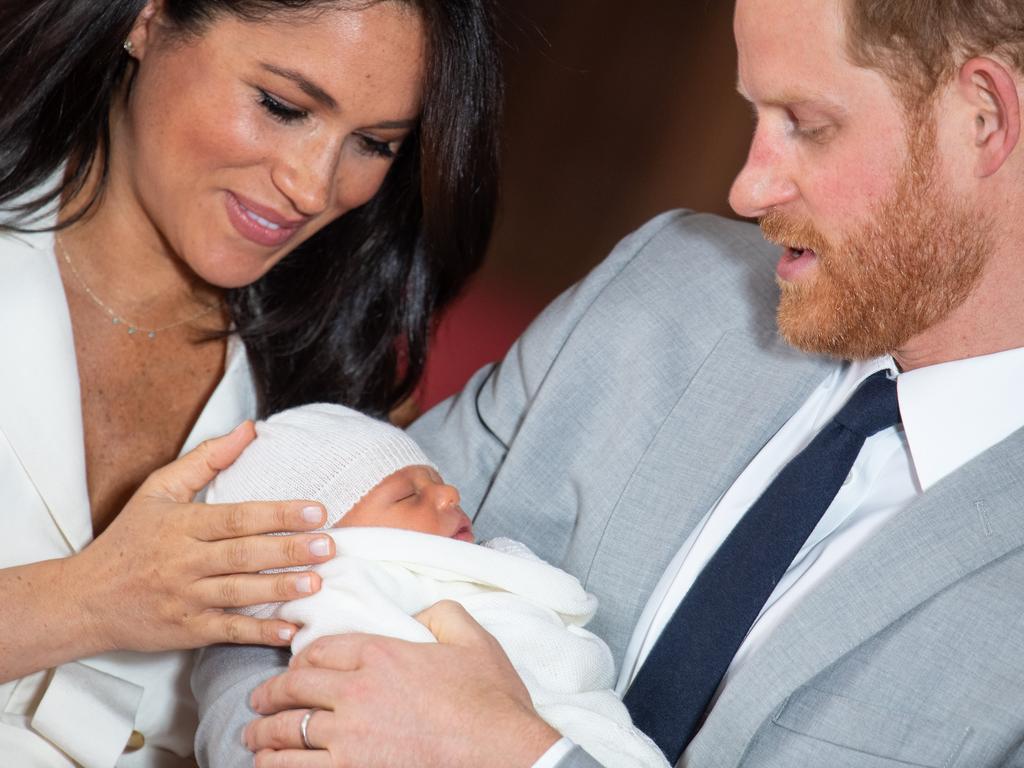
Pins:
x: 84, y: 712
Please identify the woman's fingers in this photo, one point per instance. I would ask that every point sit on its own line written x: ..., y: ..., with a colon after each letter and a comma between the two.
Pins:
x: 182, y: 479
x: 221, y: 627
x: 240, y: 590
x: 229, y: 521
x: 260, y: 553
x: 284, y: 730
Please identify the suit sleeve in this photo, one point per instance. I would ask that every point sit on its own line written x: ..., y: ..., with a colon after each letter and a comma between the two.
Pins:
x: 469, y: 434
x: 578, y: 758
x: 468, y: 437
x: 222, y: 680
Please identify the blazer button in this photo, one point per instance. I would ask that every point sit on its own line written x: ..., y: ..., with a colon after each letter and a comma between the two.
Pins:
x: 135, y: 742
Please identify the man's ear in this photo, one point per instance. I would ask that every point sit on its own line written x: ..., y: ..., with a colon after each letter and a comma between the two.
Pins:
x: 143, y: 29
x: 990, y: 89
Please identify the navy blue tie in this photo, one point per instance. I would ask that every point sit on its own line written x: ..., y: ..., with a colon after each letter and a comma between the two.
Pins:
x: 674, y: 687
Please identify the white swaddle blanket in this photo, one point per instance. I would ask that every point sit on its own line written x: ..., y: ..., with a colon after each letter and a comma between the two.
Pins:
x: 382, y: 577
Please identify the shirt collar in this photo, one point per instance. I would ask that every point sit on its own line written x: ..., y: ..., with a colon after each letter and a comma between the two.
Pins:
x: 953, y: 412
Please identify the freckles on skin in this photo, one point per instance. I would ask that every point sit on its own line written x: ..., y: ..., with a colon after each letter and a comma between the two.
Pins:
x: 195, y: 130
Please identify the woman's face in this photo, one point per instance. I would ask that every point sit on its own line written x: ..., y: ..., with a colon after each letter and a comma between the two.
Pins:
x: 239, y: 144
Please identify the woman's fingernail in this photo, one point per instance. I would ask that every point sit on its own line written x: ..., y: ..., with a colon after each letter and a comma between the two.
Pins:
x: 320, y: 547
x: 285, y: 634
x: 304, y: 584
x: 312, y: 514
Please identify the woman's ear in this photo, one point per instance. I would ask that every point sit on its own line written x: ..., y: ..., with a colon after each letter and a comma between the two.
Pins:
x: 991, y: 91
x: 143, y: 30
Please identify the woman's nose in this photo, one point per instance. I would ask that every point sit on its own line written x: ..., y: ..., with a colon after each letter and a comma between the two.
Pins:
x: 763, y: 183
x: 306, y: 176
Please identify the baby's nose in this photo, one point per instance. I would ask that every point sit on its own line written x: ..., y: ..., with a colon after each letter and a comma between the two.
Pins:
x: 446, y: 495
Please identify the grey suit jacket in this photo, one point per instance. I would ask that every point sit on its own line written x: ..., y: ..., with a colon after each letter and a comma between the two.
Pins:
x: 615, y: 423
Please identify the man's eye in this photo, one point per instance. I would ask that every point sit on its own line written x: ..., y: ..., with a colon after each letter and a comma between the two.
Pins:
x: 808, y: 131
x: 280, y: 111
x: 815, y: 133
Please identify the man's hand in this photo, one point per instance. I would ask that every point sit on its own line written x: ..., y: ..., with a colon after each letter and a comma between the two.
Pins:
x: 384, y: 702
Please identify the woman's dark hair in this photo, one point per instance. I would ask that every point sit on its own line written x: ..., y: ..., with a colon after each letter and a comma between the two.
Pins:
x: 347, y: 316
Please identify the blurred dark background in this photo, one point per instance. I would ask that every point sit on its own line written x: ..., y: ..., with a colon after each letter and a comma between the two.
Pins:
x: 615, y: 112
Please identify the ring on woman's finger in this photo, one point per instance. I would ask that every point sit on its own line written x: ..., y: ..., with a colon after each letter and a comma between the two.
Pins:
x: 304, y: 728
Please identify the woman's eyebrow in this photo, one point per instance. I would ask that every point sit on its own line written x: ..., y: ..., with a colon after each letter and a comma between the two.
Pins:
x: 394, y: 124
x: 308, y: 87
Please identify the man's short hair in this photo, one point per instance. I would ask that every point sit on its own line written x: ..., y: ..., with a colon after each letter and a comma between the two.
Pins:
x: 920, y: 44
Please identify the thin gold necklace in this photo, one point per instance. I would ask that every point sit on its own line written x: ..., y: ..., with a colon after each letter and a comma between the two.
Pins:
x: 134, y: 329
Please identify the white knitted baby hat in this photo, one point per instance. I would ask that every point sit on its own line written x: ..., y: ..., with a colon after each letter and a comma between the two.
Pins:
x: 322, y: 452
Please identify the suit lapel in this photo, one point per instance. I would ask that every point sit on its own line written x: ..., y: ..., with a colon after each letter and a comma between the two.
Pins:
x: 962, y: 524
x: 40, y: 412
x: 710, y: 435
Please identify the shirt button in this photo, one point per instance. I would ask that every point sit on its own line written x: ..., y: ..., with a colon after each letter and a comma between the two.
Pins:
x: 135, y: 742
x: 849, y: 478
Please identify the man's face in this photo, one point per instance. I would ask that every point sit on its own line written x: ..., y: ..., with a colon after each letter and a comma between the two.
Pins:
x: 878, y: 247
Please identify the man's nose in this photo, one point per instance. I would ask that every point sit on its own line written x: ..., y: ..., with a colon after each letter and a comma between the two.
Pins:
x: 763, y: 183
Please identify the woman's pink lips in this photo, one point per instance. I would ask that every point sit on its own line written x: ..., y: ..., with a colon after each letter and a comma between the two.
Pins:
x: 254, y: 231
x: 794, y: 263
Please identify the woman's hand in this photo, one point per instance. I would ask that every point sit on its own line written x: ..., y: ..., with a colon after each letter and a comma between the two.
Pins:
x: 384, y: 702
x: 161, y: 574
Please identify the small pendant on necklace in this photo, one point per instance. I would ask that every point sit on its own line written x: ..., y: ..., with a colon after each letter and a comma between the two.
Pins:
x: 131, y: 331
x: 151, y: 334
x: 116, y: 320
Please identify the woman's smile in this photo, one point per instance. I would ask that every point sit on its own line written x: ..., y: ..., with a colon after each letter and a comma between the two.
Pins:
x: 260, y: 224
x: 230, y: 178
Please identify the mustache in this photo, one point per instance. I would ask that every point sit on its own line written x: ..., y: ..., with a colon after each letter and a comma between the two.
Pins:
x: 789, y: 232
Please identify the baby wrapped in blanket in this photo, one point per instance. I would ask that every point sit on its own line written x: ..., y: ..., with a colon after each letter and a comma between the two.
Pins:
x: 403, y: 544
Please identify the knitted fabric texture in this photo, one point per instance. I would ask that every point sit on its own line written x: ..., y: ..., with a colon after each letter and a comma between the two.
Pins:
x: 321, y: 452
x: 382, y: 577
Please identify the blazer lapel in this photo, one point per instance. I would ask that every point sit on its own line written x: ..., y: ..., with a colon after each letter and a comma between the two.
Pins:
x: 710, y: 435
x: 40, y: 412
x: 965, y: 522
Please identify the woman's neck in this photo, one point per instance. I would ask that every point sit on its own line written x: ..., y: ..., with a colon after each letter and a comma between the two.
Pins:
x: 115, y: 250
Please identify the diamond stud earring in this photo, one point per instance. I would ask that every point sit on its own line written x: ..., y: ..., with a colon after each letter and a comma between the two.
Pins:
x: 129, y: 48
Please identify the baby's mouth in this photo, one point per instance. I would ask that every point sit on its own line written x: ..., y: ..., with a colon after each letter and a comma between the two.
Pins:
x: 465, y: 530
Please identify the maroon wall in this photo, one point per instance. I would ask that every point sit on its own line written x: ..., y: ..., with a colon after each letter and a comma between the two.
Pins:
x: 615, y: 112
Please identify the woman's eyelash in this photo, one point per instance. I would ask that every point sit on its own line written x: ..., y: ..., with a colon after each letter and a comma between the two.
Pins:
x: 377, y: 148
x: 286, y: 114
x: 279, y: 111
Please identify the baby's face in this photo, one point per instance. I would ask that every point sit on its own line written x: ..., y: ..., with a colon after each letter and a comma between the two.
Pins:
x: 413, y: 499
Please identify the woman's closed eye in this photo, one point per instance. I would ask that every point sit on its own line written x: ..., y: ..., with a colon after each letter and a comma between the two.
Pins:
x: 279, y: 110
x: 377, y: 148
x: 283, y: 112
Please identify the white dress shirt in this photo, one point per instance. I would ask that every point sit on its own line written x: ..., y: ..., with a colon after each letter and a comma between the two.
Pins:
x: 951, y: 413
